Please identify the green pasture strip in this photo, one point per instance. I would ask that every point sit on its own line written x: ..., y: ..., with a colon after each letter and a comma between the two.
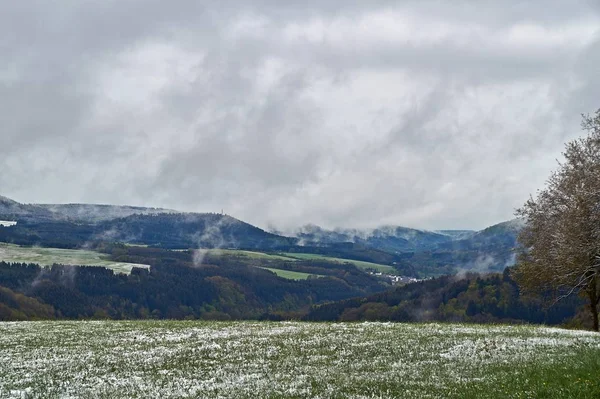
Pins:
x: 358, y: 263
x: 248, y: 254
x: 291, y: 275
x: 48, y: 256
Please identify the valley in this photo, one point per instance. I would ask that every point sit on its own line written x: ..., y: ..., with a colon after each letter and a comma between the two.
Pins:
x: 393, y: 250
x: 172, y: 265
x: 300, y: 200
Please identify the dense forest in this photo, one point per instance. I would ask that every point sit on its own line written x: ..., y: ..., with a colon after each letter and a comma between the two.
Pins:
x: 180, y: 285
x: 226, y: 288
x: 175, y: 288
x: 175, y: 230
x: 482, y: 251
x: 476, y: 298
x: 412, y: 252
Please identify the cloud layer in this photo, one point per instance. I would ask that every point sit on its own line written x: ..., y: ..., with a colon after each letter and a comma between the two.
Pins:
x: 340, y: 113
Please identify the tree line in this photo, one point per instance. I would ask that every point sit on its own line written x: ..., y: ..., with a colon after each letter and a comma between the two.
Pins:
x: 176, y: 288
x: 475, y: 298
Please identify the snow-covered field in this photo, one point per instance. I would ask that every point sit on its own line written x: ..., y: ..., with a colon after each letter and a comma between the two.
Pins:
x: 169, y: 359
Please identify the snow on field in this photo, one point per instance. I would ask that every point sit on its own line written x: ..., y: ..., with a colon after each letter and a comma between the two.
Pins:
x: 48, y: 256
x: 168, y: 359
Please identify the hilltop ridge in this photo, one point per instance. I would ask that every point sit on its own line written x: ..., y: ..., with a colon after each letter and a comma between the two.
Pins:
x: 413, y: 252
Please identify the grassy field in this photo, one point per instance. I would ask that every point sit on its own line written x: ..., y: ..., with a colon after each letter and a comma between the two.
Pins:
x: 50, y: 256
x: 357, y: 263
x: 247, y: 254
x: 291, y: 256
x: 291, y: 275
x: 169, y: 359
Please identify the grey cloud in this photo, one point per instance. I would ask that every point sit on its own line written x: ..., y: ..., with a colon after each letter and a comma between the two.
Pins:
x: 285, y: 113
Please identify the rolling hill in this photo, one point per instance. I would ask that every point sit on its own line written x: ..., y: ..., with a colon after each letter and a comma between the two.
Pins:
x: 411, y: 252
x: 190, y: 230
x: 90, y: 213
x: 393, y: 239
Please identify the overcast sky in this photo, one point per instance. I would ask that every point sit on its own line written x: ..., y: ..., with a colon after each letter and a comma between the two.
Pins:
x: 429, y: 114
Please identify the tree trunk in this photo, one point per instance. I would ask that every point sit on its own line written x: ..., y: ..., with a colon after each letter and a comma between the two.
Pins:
x: 594, y: 298
x: 594, y: 310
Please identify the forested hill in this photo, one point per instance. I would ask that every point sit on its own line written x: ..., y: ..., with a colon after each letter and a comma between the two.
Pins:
x: 83, y: 213
x: 176, y: 286
x: 412, y: 252
x: 190, y: 230
x: 393, y: 239
x: 13, y: 210
x: 501, y: 235
x: 398, y: 239
x: 168, y: 230
x: 476, y: 298
x: 425, y: 253
x: 97, y: 212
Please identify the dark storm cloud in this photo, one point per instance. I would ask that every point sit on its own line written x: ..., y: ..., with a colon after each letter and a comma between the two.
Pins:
x: 341, y: 113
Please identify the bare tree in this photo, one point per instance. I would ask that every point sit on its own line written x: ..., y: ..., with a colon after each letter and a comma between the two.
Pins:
x: 560, y: 243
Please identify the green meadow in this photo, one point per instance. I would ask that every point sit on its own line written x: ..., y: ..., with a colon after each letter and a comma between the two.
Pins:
x: 360, y: 264
x: 291, y: 275
x: 290, y: 256
x: 244, y: 254
x: 49, y: 256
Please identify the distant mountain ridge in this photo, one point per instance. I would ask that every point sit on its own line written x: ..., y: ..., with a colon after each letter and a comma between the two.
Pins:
x: 13, y: 210
x: 422, y: 252
x: 78, y: 212
x: 72, y: 225
x: 99, y: 212
x: 456, y: 234
x: 411, y: 251
x: 190, y: 230
x: 395, y: 239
